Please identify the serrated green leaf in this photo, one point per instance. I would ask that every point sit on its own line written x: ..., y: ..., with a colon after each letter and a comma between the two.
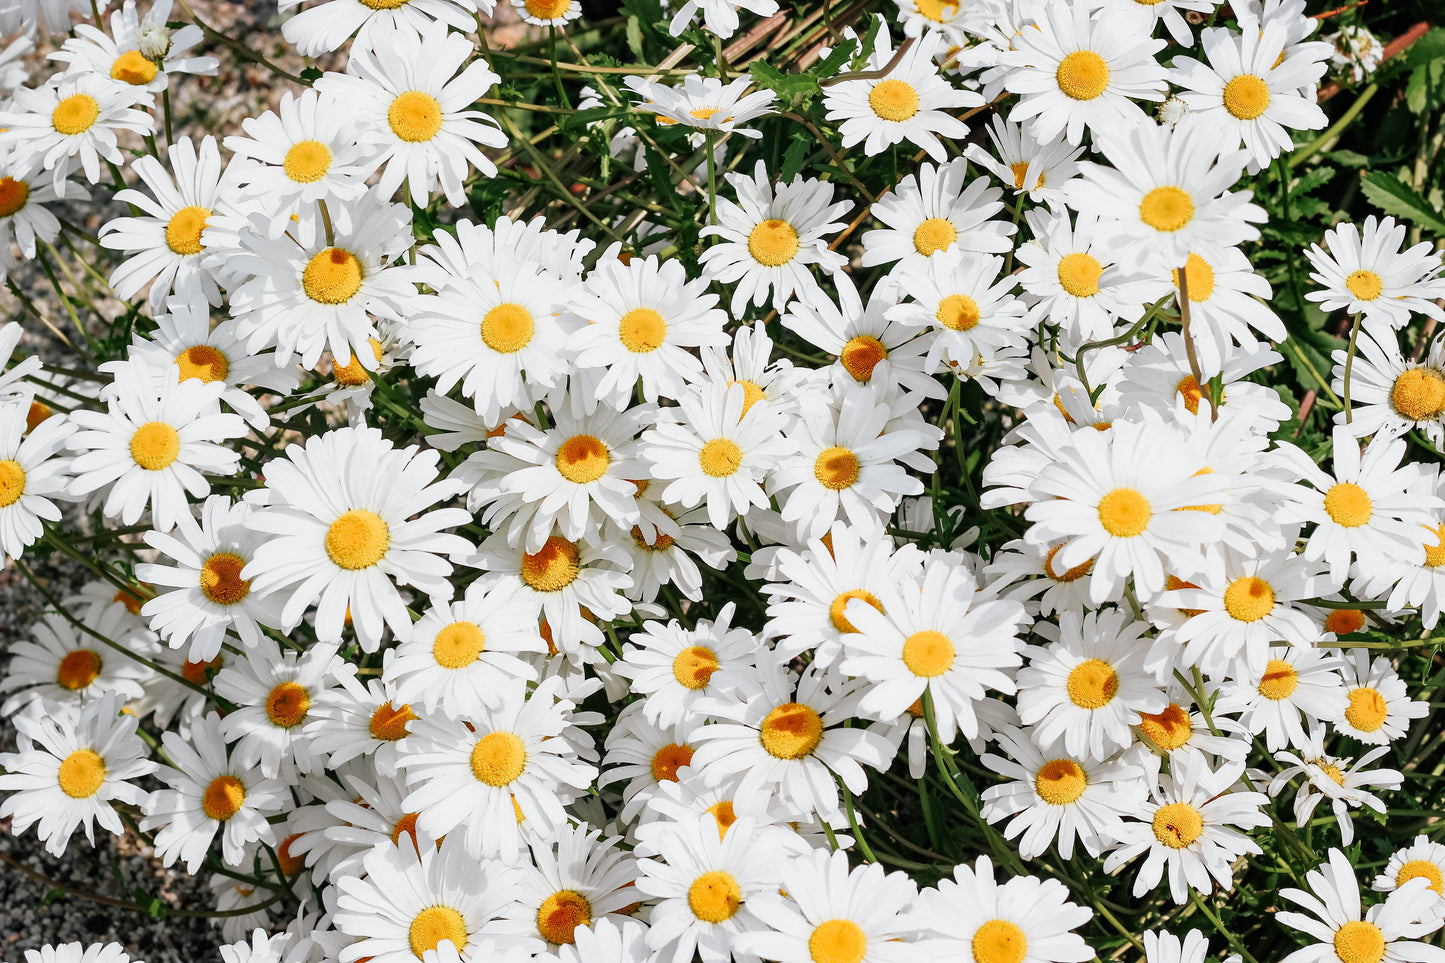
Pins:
x: 634, y: 37
x: 869, y: 42
x: 1422, y: 91
x: 1312, y: 179
x: 793, y: 158
x: 786, y: 86
x: 835, y: 60
x: 1387, y: 193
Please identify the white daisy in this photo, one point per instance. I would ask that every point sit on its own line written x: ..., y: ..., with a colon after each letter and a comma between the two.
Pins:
x: 273, y: 694
x: 679, y: 671
x: 1387, y: 931
x: 1379, y: 709
x: 933, y: 211
x: 53, y: 126
x: 1364, y: 272
x: 325, y: 26
x: 32, y: 477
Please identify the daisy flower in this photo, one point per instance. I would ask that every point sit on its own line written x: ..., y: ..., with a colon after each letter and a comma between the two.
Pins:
x: 1421, y: 859
x: 32, y: 477
x: 207, y: 794
x: 1333, y: 778
x: 142, y: 52
x: 202, y: 598
x: 960, y: 296
x: 1038, y: 169
x: 345, y: 531
x: 831, y: 913
x: 24, y: 217
x: 934, y: 211
x: 459, y: 652
x: 327, y: 25
x: 672, y: 558
x: 912, y: 102
x: 769, y: 237
x: 151, y: 445
x: 1024, y: 920
x: 1165, y: 947
x: 1298, y: 685
x: 1379, y: 710
x: 679, y: 672
x: 273, y: 694
x: 355, y: 721
x: 1332, y: 916
x: 574, y: 882
x: 705, y: 103
x: 644, y: 756
x: 548, y: 13
x: 719, y: 16
x: 1077, y: 71
x: 1364, y: 272
x: 605, y: 942
x: 53, y: 126
x: 1391, y: 396
x: 78, y: 953
x: 70, y: 769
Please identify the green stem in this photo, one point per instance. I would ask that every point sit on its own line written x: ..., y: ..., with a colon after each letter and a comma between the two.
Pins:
x: 1349, y: 366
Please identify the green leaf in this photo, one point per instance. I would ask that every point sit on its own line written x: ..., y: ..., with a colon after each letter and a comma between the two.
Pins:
x: 634, y: 37
x: 1387, y: 193
x: 1423, y: 89
x: 870, y: 40
x: 51, y: 895
x: 311, y: 74
x: 797, y: 153
x: 835, y: 60
x: 786, y: 86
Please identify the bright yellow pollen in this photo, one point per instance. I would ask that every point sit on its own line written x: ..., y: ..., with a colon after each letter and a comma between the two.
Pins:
x: 332, y: 276
x: 723, y: 813
x: 183, y: 231
x: 836, y: 468
x: 1177, y: 825
x: 548, y: 10
x: 1200, y: 276
x: 1092, y: 684
x: 389, y: 722
x: 78, y: 668
x: 1344, y: 621
x: 752, y: 394
x: 414, y: 116
x: 155, y: 445
x: 1167, y: 209
x: 1366, y: 711
x: 406, y: 824
x: 1190, y: 390
x: 435, y: 923
x: 938, y: 11
x: 1348, y: 504
x: 1365, y: 285
x: 223, y: 798
x: 999, y: 941
x: 195, y: 672
x: 1248, y: 599
x: 1419, y: 394
x: 508, y: 328
x: 1359, y: 942
x: 389, y: 5
x: 352, y: 373
x: 1082, y: 75
x: 551, y: 568
x: 1070, y: 575
x: 81, y: 774
x: 661, y: 543
x: 38, y: 412
x: 583, y: 459
x: 1246, y: 96
x: 1434, y: 546
x: 75, y: 114
x: 1169, y: 729
x: 838, y: 941
x: 1279, y: 681
x: 668, y: 760
x: 132, y: 68
x: 498, y: 758
x: 957, y: 312
x: 1079, y: 274
x: 204, y: 363
x: 1020, y: 170
x: 720, y: 458
x: 791, y: 731
x: 934, y: 234
x: 836, y: 611
x: 861, y: 355
x: 693, y: 666
x: 307, y: 161
x: 714, y: 896
x: 1060, y: 782
x: 221, y: 580
x: 1330, y: 769
x: 12, y: 482
x: 563, y: 911
x: 357, y: 539
x: 703, y: 113
x: 287, y: 704
x: 458, y: 644
x: 773, y: 243
x: 642, y: 330
x: 1124, y: 512
x: 928, y: 653
x: 1422, y: 869
x: 13, y: 195
x: 893, y: 99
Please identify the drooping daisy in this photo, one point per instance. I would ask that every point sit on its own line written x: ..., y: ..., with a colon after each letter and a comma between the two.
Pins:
x: 70, y: 767
x: 1158, y: 375
x: 705, y: 103
x: 32, y: 477
x: 676, y: 669
x: 1380, y: 709
x: 1387, y: 931
x: 1391, y: 395
x: 273, y: 694
x: 934, y: 211
x: 1421, y: 859
x: 345, y: 531
x: 1334, y: 778
x: 674, y: 554
x: 53, y: 126
x: 1365, y: 272
x: 325, y: 26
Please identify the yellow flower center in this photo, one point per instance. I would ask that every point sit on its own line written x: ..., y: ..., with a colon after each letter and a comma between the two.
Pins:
x: 389, y: 722
x: 1167, y: 209
x: 287, y: 704
x: 934, y: 234
x: 155, y: 445
x: 307, y: 161
x: 435, y: 923
x: 183, y: 231
x: 563, y: 911
x: 661, y: 543
x: 582, y: 459
x: 999, y: 941
x: 938, y: 11
x: 1092, y: 684
x: 1189, y: 388
x: 357, y: 539
x: 861, y: 355
x: 332, y: 276
x: 12, y: 482
x: 78, y: 668
x: 1124, y: 512
x: 928, y: 653
x: 1434, y: 546
x: 1169, y: 729
x: 1279, y: 681
x: 791, y: 731
x: 693, y: 666
x: 548, y: 10
x: 714, y: 896
x: 642, y: 330
x: 1344, y: 621
x: 195, y: 672
x: 508, y: 328
x: 498, y: 758
x: 81, y: 774
x: 202, y: 362
x: 38, y: 412
x: 1246, y: 96
x: 1359, y: 942
x: 773, y: 243
x: 1020, y: 169
x: 1348, y: 504
x: 752, y: 394
x: 458, y: 645
x: 352, y: 373
x: 1060, y: 782
x: 13, y: 194
x: 836, y: 468
x: 1200, y: 276
x: 132, y: 68
x: 720, y: 458
x: 1177, y: 825
x: 1422, y: 869
x: 958, y: 312
x: 75, y: 114
x: 840, y: 605
x: 1248, y: 599
x: 406, y: 824
x: 723, y: 813
x: 1365, y: 285
x: 553, y: 567
x: 1079, y: 274
x: 1082, y: 75
x: 668, y: 760
x: 1070, y: 575
x: 1419, y: 394
x: 1366, y: 711
x: 838, y: 941
x: 223, y: 798
x: 221, y: 580
x: 893, y: 99
x: 414, y: 116
x: 389, y: 5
